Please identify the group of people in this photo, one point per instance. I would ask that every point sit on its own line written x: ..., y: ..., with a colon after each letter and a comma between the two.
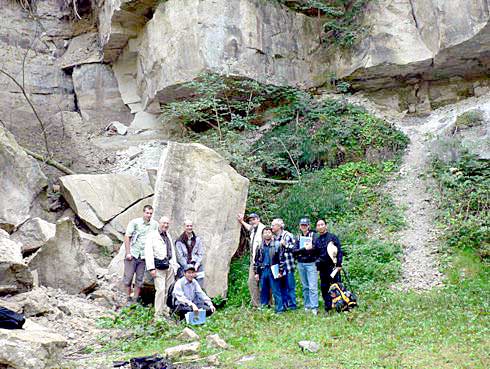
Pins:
x: 149, y: 246
x: 275, y: 255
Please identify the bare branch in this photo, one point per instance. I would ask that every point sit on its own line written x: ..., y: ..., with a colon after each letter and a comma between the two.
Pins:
x: 50, y: 162
x: 275, y: 181
x: 41, y: 123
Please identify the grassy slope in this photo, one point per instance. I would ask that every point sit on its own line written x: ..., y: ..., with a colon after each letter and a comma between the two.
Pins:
x: 444, y: 328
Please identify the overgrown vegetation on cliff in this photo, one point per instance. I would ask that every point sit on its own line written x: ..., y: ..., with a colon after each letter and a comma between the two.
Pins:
x: 341, y: 19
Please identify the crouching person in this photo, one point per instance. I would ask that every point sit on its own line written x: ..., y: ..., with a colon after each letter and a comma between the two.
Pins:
x: 269, y: 267
x: 189, y: 296
x: 161, y: 262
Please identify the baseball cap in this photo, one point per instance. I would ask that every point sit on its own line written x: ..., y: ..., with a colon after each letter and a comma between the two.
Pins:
x: 253, y: 215
x: 304, y: 221
x: 189, y: 267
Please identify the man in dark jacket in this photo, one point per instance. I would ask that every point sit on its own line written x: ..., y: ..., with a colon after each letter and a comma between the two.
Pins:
x: 329, y: 264
x: 305, y: 255
x: 269, y: 268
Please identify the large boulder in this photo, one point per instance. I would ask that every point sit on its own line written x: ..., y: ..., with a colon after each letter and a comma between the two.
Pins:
x: 412, y: 40
x: 63, y: 262
x: 194, y: 182
x: 21, y: 181
x: 98, y: 198
x: 33, y: 347
x: 33, y: 234
x: 14, y: 275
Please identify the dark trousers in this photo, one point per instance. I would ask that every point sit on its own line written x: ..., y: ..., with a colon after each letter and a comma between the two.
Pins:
x: 268, y: 283
x: 182, y: 309
x: 325, y: 282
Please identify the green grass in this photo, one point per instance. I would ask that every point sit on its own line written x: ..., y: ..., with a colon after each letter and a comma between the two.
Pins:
x: 445, y: 328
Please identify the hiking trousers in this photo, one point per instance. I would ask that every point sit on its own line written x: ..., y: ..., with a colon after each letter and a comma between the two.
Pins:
x: 253, y: 286
x: 163, y: 280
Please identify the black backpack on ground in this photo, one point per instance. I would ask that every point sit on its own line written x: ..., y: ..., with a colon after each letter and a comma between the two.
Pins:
x: 170, y: 297
x: 10, y: 319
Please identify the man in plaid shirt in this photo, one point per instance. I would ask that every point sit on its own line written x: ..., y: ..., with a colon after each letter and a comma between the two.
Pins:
x: 288, y: 286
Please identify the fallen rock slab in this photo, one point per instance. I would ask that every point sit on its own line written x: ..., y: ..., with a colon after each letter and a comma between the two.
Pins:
x: 33, y: 234
x: 97, y: 198
x: 182, y: 350
x: 33, y: 347
x: 34, y: 303
x: 15, y: 276
x: 63, y: 262
x: 21, y: 181
x: 194, y: 182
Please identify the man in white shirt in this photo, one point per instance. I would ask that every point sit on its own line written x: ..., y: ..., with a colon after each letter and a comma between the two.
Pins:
x: 255, y: 227
x: 189, y: 296
x: 161, y: 262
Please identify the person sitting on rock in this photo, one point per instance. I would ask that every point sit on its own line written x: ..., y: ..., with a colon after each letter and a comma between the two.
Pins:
x: 134, y: 244
x: 161, y: 262
x: 190, y: 250
x: 188, y: 295
x: 270, y: 267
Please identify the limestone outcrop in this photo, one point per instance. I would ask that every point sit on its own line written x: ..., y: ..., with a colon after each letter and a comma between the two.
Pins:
x: 33, y: 347
x: 63, y: 262
x: 194, y: 182
x: 98, y: 198
x: 420, y: 43
x: 98, y: 94
x: 14, y: 275
x: 21, y: 181
x: 33, y: 234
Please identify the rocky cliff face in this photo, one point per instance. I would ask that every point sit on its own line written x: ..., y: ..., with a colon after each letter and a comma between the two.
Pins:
x: 425, y: 44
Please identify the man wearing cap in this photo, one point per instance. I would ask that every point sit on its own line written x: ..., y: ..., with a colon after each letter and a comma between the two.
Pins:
x: 288, y: 284
x: 255, y: 227
x: 327, y: 248
x: 189, y: 296
x: 306, y: 258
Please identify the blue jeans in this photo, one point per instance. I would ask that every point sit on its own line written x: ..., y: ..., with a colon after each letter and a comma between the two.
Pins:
x: 268, y: 283
x: 288, y: 291
x: 309, y: 279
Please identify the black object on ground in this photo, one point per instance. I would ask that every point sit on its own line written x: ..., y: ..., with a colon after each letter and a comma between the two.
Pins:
x: 10, y: 319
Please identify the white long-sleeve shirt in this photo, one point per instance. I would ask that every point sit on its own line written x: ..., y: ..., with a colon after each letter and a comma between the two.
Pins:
x: 155, y: 247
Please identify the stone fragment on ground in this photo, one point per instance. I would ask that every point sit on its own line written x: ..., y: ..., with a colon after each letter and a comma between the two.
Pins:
x: 15, y: 276
x: 310, y: 346
x: 63, y: 262
x: 33, y: 234
x: 35, y: 302
x: 21, y: 181
x: 189, y: 334
x: 216, y: 341
x: 182, y: 350
x: 33, y: 347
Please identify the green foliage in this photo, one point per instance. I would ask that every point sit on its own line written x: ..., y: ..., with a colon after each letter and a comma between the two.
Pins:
x: 463, y: 193
x: 471, y: 118
x: 238, y: 294
x: 342, y: 19
x: 222, y: 103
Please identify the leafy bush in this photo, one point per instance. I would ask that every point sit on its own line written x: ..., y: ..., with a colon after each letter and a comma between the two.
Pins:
x: 463, y: 191
x: 342, y: 19
x: 471, y: 118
